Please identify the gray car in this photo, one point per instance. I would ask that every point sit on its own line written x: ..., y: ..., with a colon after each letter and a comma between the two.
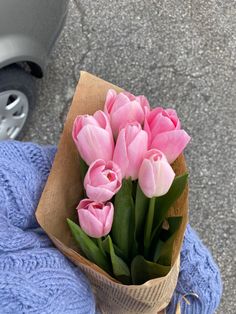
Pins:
x: 28, y: 31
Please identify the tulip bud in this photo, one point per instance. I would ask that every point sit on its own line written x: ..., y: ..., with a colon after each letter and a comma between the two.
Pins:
x: 95, y: 218
x: 164, y: 133
x: 103, y: 180
x: 124, y: 108
x: 93, y: 137
x: 131, y: 145
x: 155, y: 174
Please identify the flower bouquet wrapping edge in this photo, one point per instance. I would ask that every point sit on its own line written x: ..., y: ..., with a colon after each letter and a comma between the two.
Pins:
x: 61, y: 195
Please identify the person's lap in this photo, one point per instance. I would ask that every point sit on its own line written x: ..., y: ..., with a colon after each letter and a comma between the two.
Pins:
x: 36, y: 278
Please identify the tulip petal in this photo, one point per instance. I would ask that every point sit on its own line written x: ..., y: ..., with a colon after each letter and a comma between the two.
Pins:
x: 148, y: 130
x: 90, y: 224
x: 103, y: 121
x: 153, y: 113
x: 131, y: 131
x: 129, y: 150
x: 99, y: 212
x: 84, y: 203
x: 136, y: 151
x: 124, y: 108
x: 146, y: 178
x: 76, y: 128
x: 144, y: 103
x: 164, y: 177
x: 109, y: 219
x: 95, y: 175
x: 88, y: 119
x: 103, y: 180
x: 110, y: 98
x: 171, y: 143
x: 173, y: 115
x: 94, y: 143
x: 128, y: 113
x: 120, y: 153
x: 120, y: 101
x: 113, y: 185
x: 161, y: 124
x: 100, y: 179
x: 98, y: 193
x: 93, y: 172
x: 129, y: 95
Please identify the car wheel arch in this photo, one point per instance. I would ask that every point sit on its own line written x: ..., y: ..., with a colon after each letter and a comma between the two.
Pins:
x: 15, y: 50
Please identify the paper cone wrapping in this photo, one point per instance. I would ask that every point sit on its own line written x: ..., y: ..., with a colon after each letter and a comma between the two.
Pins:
x: 62, y: 194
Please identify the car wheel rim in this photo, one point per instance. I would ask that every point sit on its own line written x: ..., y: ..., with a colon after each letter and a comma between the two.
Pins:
x: 14, y: 107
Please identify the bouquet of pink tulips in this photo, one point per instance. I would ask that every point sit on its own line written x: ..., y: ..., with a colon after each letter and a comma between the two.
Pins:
x: 126, y: 152
x: 122, y: 171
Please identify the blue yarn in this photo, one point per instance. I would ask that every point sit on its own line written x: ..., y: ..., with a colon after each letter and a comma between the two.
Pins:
x: 199, y: 274
x: 36, y: 278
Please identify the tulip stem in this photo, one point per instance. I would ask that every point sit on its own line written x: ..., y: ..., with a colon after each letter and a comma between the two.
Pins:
x: 99, y: 242
x: 148, y: 226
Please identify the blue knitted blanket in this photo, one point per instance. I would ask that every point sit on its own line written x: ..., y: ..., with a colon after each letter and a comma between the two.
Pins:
x: 36, y: 278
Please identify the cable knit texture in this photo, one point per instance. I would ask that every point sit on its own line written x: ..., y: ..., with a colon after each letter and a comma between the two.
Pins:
x: 36, y: 278
x: 198, y: 275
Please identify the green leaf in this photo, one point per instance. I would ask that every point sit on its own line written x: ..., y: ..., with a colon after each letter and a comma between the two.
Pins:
x: 143, y: 270
x: 105, y: 244
x: 100, y: 245
x: 157, y: 251
x: 83, y: 168
x: 123, y: 226
x: 166, y: 250
x: 120, y: 269
x: 88, y: 247
x: 148, y: 226
x: 164, y: 202
x: 140, y: 212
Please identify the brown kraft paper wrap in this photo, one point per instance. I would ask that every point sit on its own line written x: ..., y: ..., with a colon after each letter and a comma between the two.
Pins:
x: 62, y: 194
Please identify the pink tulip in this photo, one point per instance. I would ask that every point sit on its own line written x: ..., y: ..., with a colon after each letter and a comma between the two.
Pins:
x: 163, y: 128
x: 130, y: 148
x: 103, y: 180
x: 123, y: 108
x: 95, y: 218
x: 155, y: 174
x: 93, y: 137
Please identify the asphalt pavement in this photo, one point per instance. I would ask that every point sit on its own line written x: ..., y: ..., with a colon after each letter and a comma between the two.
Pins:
x: 180, y: 54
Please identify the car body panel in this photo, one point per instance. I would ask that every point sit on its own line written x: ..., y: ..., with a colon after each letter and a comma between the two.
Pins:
x: 28, y: 30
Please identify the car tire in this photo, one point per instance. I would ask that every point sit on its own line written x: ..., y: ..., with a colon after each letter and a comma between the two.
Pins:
x: 17, y: 98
